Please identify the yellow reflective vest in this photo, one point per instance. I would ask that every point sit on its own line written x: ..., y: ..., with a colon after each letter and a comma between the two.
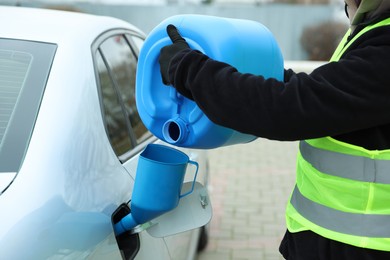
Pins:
x: 342, y: 191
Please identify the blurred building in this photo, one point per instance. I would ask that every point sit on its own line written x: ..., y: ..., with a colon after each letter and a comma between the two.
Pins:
x: 285, y: 21
x: 163, y: 2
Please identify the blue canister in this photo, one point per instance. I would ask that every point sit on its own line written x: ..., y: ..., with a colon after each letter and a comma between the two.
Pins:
x: 247, y: 45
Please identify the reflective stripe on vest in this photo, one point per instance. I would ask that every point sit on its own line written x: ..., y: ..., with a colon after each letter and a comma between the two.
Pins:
x: 342, y: 191
x: 346, y: 166
x: 365, y: 225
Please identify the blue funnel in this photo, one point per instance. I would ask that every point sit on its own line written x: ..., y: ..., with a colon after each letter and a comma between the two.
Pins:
x: 128, y: 222
x: 247, y: 45
x: 157, y: 187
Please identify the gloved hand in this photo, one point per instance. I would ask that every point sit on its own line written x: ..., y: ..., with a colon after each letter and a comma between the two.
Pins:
x: 167, y: 52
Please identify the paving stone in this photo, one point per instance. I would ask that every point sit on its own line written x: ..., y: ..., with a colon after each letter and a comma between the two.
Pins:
x: 250, y: 186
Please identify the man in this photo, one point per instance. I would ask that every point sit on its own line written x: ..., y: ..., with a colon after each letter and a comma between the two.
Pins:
x: 340, y: 206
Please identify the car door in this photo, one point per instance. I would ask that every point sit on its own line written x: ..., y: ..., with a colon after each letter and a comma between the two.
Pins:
x: 116, y: 56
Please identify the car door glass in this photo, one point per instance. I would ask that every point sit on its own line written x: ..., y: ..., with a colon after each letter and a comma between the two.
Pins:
x: 137, y: 41
x: 115, y: 119
x: 117, y: 63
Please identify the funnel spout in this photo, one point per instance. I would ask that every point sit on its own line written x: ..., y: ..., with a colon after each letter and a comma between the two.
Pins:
x: 125, y: 224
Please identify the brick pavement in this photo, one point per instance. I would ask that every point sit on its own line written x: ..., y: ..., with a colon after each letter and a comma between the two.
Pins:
x: 250, y: 186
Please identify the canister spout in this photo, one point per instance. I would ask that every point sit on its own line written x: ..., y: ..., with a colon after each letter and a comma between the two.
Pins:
x: 175, y: 130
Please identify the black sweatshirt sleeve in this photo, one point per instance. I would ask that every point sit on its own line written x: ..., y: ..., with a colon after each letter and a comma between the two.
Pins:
x: 336, y: 98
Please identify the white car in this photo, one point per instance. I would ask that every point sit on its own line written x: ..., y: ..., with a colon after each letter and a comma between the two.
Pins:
x: 70, y: 139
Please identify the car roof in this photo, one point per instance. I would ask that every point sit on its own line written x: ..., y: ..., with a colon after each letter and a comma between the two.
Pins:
x: 55, y: 26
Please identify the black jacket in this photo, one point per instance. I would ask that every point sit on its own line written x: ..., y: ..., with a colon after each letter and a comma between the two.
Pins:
x: 348, y: 100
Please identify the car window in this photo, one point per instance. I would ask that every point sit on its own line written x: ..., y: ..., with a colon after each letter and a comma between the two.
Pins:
x: 117, y: 63
x: 24, y: 69
x: 14, y: 66
x: 138, y: 41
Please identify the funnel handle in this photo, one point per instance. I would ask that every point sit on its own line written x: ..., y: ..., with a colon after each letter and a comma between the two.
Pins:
x: 193, y: 183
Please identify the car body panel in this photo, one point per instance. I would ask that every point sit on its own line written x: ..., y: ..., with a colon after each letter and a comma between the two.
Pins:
x: 60, y: 203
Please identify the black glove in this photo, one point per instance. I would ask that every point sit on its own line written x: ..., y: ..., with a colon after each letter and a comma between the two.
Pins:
x: 167, y: 52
